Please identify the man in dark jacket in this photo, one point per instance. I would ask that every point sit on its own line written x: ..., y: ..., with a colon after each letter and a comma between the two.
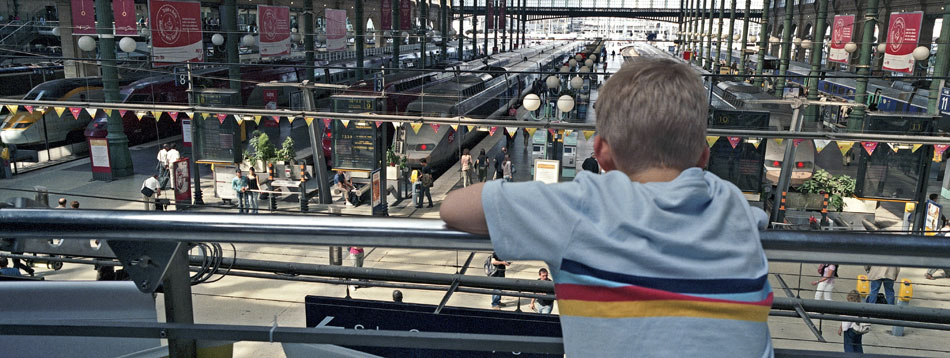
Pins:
x: 590, y: 164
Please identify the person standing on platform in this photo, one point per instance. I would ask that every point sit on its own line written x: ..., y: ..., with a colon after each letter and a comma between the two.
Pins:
x: 162, y: 159
x: 467, y: 165
x: 425, y: 183
x: 853, y: 332
x: 356, y: 257
x: 170, y: 158
x: 344, y: 184
x: 8, y: 271
x: 151, y: 190
x: 544, y: 306
x: 507, y: 169
x: 654, y: 258
x: 882, y: 276
x: 500, y: 268
x: 239, y: 184
x: 74, y: 204
x: 590, y: 164
x: 253, y: 185
x: 62, y: 203
x: 499, y: 160
x: 825, y: 284
x: 482, y: 164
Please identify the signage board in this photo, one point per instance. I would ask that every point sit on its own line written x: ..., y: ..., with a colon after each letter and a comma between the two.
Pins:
x: 99, y: 155
x: 336, y: 30
x: 345, y: 313
x: 84, y: 17
x: 944, y: 103
x: 377, y: 188
x: 176, y: 32
x: 841, y: 33
x: 902, y: 35
x: 217, y: 141
x: 274, y: 30
x: 547, y: 171
x: 354, y: 142
x: 489, y: 15
x: 385, y: 15
x: 405, y: 14
x: 502, y: 5
x: 124, y: 14
x: 932, y: 221
x: 223, y: 173
x: 181, y: 180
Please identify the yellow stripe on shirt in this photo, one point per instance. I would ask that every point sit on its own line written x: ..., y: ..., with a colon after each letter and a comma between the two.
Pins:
x: 664, y: 308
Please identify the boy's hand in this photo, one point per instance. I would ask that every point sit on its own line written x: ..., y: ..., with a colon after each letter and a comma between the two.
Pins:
x: 462, y: 210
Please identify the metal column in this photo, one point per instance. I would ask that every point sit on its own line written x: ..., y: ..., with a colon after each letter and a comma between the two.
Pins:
x: 786, y: 48
x: 310, y: 55
x: 811, y: 112
x: 745, y: 36
x: 119, y: 154
x: 176, y: 287
x: 856, y: 121
x: 359, y: 27
x: 461, y: 33
x: 786, y: 173
x: 444, y: 29
x: 732, y: 32
x: 423, y: 28
x: 487, y: 26
x: 397, y: 40
x: 494, y: 20
x: 229, y: 25
x: 943, y: 60
x: 703, y: 35
x: 763, y: 43
x: 720, y: 14
x: 474, y: 29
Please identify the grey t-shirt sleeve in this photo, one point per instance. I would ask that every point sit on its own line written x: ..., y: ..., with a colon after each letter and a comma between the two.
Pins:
x: 532, y: 220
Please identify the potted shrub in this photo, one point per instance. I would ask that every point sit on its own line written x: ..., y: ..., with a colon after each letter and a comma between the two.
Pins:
x: 822, y: 182
x: 260, y: 151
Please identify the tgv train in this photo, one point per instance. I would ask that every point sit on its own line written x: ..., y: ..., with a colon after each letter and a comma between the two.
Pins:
x: 480, y: 95
x: 26, y: 128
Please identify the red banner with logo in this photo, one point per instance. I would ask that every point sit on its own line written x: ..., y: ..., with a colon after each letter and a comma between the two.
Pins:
x: 405, y: 15
x: 489, y: 15
x: 84, y: 17
x: 124, y: 11
x: 902, y: 35
x: 176, y: 31
x: 501, y: 14
x: 336, y: 30
x: 841, y: 32
x: 385, y: 15
x: 270, y: 98
x: 274, y: 22
x: 181, y: 175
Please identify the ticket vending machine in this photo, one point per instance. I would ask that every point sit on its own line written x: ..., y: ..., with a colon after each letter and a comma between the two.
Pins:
x: 539, y: 146
x: 569, y: 155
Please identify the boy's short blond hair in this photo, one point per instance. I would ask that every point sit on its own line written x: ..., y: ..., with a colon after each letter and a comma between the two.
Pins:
x: 653, y: 114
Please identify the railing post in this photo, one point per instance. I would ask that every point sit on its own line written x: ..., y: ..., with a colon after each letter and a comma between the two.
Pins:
x: 178, y: 309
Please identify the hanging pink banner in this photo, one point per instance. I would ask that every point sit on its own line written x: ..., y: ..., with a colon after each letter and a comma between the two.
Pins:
x: 124, y: 11
x: 84, y: 17
x: 405, y: 15
x: 734, y: 141
x: 841, y: 32
x: 501, y: 14
x: 489, y: 15
x: 435, y: 127
x: 274, y: 30
x: 336, y: 30
x: 869, y: 147
x: 902, y: 35
x: 385, y: 15
x: 176, y: 31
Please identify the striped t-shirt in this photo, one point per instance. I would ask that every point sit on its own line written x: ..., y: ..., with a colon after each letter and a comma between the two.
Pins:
x: 662, y: 269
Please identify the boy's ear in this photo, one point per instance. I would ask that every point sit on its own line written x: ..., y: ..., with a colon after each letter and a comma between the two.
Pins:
x: 604, y: 155
x: 704, y: 158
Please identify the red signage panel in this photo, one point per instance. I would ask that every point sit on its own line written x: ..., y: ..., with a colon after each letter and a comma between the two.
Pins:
x: 386, y: 15
x: 501, y: 14
x: 336, y: 30
x: 841, y: 32
x: 489, y: 15
x: 274, y: 24
x: 176, y: 31
x: 181, y: 176
x: 405, y: 15
x: 84, y: 17
x: 902, y: 35
x: 124, y: 11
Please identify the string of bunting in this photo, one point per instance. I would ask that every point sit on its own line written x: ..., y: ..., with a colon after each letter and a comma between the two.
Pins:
x: 843, y: 146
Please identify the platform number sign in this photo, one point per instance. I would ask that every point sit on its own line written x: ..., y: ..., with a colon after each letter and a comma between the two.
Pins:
x: 944, y: 103
x: 181, y: 78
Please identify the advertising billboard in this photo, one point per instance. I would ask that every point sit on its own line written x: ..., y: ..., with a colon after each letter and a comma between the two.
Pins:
x: 841, y: 32
x: 176, y: 31
x: 274, y: 30
x: 902, y: 35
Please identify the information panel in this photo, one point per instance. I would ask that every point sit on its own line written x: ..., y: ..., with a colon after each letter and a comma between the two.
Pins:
x: 886, y: 173
x: 365, y: 314
x: 216, y: 141
x: 84, y: 17
x: 354, y: 142
x: 740, y: 161
x: 124, y: 12
x: 336, y: 29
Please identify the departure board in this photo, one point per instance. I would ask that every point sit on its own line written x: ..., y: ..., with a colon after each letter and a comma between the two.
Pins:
x: 354, y: 144
x: 216, y: 140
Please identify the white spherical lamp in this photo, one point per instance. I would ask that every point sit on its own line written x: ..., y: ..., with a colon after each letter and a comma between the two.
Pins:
x: 850, y: 47
x: 531, y: 102
x: 589, y: 63
x: 565, y: 103
x: 564, y: 69
x: 578, y: 57
x: 553, y: 82
x: 774, y: 40
x: 86, y: 43
x: 806, y: 44
x: 921, y: 53
x: 248, y: 40
x: 127, y: 44
x: 797, y: 41
x: 881, y: 47
x: 584, y: 69
x: 753, y: 38
x: 56, y: 31
x: 217, y: 39
x: 572, y: 62
x: 577, y: 82
x: 736, y: 37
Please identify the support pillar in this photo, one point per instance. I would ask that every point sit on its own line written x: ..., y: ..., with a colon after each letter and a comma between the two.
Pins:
x: 232, y: 36
x: 732, y: 32
x: 359, y: 27
x: 524, y: 22
x: 786, y: 48
x: 943, y: 60
x: 461, y: 33
x: 444, y: 28
x: 309, y: 56
x: 745, y: 36
x: 704, y: 36
x: 397, y: 40
x: 176, y: 288
x: 694, y: 29
x: 856, y: 121
x: 722, y: 12
x: 474, y: 31
x: 494, y: 20
x: 763, y: 43
x: 119, y: 154
x: 424, y: 27
x: 811, y: 112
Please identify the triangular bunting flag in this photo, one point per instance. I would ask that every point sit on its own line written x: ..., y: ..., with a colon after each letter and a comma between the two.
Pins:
x: 108, y: 112
x: 138, y: 114
x: 756, y: 142
x: 455, y: 127
x: 239, y: 119
x: 844, y: 146
x: 75, y: 111
x: 276, y: 118
x: 91, y: 111
x: 190, y: 115
x: 122, y: 112
x: 221, y: 117
x: 415, y: 127
x: 551, y: 130
x: 938, y: 151
x: 568, y: 132
x: 869, y: 147
x: 326, y: 122
x: 173, y: 115
x: 29, y: 109
x: 470, y: 128
x: 379, y: 123
x: 346, y: 123
x: 157, y: 115
x: 309, y: 120
x: 491, y: 131
x: 512, y: 131
x: 397, y: 124
x: 532, y: 130
x: 59, y: 111
x: 290, y: 119
x: 916, y: 147
x: 588, y: 134
x: 779, y: 140
x: 257, y: 119
x: 894, y: 146
x: 12, y: 108
x: 820, y: 144
x: 435, y: 127
x: 734, y: 141
x: 711, y: 139
x: 796, y: 142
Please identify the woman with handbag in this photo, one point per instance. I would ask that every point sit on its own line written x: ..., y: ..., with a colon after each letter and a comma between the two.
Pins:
x: 253, y: 195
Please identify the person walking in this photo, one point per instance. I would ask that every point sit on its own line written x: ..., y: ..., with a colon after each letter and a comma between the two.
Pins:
x: 253, y: 187
x: 590, y: 164
x: 826, y: 284
x: 425, y: 183
x: 151, y: 190
x: 544, y: 306
x: 853, y: 331
x: 239, y: 184
x: 62, y: 203
x: 162, y: 159
x: 500, y: 268
x: 507, y: 169
x: 170, y: 158
x: 482, y: 164
x: 356, y: 257
x: 74, y: 204
x: 882, y: 276
x: 499, y: 160
x: 467, y: 165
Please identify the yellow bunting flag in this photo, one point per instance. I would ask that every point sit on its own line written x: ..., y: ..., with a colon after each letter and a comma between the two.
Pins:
x: 455, y: 127
x: 346, y: 123
x: 239, y: 119
x: 470, y: 128
x: 190, y: 115
x: 415, y: 127
x: 894, y: 146
x: 157, y: 115
x: 532, y: 130
x: 844, y: 146
x: 309, y: 120
x: 568, y: 132
x: 108, y: 112
x: 916, y: 147
x: 711, y: 139
x: 755, y: 142
x: 12, y: 108
x: 779, y: 140
x: 59, y: 111
x: 257, y: 119
x: 588, y: 134
x: 139, y: 115
x: 91, y: 111
x: 291, y: 119
x: 512, y: 131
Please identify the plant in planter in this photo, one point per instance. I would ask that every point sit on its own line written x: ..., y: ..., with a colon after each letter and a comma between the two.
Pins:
x: 394, y: 160
x: 286, y: 153
x: 260, y: 151
x: 837, y: 187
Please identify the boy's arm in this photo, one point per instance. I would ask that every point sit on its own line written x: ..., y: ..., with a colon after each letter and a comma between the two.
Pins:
x: 462, y: 210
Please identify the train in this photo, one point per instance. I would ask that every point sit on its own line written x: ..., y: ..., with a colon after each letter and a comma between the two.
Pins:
x: 26, y: 128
